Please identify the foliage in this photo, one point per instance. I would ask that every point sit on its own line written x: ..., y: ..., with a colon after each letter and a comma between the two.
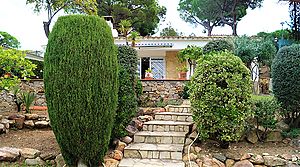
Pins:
x: 13, y: 66
x: 286, y: 34
x: 220, y: 96
x: 248, y: 48
x: 8, y: 41
x: 292, y: 133
x: 186, y: 90
x: 182, y: 69
x: 17, y: 97
x: 125, y: 27
x: 286, y: 82
x: 190, y: 53
x: 127, y: 97
x: 149, y: 70
x: 265, y: 109
x: 27, y: 99
x: 69, y: 6
x: 81, y: 86
x: 134, y: 37
x: 169, y: 32
x: 143, y: 14
x: 38, y: 71
x: 217, y: 46
x: 164, y: 103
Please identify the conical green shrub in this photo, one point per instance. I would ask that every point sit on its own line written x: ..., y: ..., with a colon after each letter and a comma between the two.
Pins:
x: 81, y: 84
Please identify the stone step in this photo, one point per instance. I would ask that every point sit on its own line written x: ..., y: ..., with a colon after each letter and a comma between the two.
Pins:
x: 159, y: 137
x: 166, y: 126
x: 131, y: 162
x: 181, y: 108
x: 174, y: 116
x: 154, y: 151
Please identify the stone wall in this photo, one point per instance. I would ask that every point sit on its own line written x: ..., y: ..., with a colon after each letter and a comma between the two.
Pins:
x: 157, y: 90
x: 7, y: 101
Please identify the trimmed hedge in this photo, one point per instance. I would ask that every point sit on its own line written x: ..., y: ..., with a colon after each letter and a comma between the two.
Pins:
x: 220, y: 96
x: 217, y: 46
x: 127, y: 95
x: 286, y: 82
x: 81, y: 85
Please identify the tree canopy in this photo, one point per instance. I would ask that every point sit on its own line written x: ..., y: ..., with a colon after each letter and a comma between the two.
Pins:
x: 144, y: 15
x: 69, y: 6
x: 8, y: 41
x: 169, y: 32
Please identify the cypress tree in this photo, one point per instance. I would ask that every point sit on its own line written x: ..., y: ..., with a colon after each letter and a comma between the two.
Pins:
x: 81, y: 85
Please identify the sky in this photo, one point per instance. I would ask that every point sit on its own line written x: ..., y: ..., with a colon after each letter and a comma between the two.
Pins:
x: 19, y: 20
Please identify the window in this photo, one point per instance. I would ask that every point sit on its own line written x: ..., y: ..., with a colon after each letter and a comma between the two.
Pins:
x: 156, y: 64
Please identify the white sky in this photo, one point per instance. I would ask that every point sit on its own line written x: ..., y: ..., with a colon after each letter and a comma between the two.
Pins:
x: 19, y: 20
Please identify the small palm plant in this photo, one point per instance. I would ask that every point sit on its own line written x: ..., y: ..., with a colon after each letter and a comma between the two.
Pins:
x: 125, y: 27
x: 134, y: 37
x: 27, y: 98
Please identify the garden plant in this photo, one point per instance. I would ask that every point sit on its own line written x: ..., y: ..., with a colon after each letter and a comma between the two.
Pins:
x: 81, y: 86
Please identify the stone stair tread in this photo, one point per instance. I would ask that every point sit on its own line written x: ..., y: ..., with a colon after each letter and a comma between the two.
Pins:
x: 181, y: 106
x: 163, y: 134
x: 174, y: 113
x: 155, y: 147
x: 131, y: 162
x: 162, y: 122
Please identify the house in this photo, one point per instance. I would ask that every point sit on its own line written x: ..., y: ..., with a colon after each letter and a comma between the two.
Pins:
x: 159, y: 54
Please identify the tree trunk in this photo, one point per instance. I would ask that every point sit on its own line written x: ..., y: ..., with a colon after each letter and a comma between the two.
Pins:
x: 234, y: 25
x: 46, y: 28
x: 209, y: 30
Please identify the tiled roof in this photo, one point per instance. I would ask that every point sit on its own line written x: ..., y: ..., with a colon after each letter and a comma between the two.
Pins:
x: 179, y: 37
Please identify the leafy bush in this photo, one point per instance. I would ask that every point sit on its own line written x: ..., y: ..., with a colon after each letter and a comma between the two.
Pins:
x: 185, y: 93
x: 286, y: 82
x: 39, y: 69
x: 220, y: 96
x: 265, y: 109
x: 81, y: 86
x: 127, y: 95
x: 292, y: 133
x: 27, y: 99
x: 217, y: 46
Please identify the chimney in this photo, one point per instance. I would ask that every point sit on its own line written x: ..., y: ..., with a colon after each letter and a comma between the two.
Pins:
x: 110, y: 22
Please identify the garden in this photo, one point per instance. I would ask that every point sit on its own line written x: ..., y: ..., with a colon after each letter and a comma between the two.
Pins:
x: 94, y: 111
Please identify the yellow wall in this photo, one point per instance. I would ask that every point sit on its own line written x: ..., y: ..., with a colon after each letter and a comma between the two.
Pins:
x: 171, y: 64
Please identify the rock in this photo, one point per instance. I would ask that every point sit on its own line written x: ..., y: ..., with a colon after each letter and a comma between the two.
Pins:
x: 1, y: 117
x: 19, y: 122
x: 229, y: 162
x: 199, y: 162
x: 138, y: 124
x: 245, y: 156
x: 282, y: 126
x: 207, y: 162
x: 192, y: 149
x: 252, y: 137
x: 194, y: 128
x: 220, y: 157
x: 34, y: 162
x: 29, y: 124
x: 233, y: 155
x: 117, y: 155
x: 60, y: 162
x: 257, y: 160
x: 286, y: 157
x: 291, y: 164
x: 145, y: 118
x: 31, y: 116
x: 126, y: 139
x: 2, y: 128
x: 188, y: 141
x: 5, y: 122
x: 274, y: 136
x: 41, y: 124
x: 29, y: 153
x: 12, y: 116
x: 193, y: 135
x: 111, y: 162
x: 120, y: 146
x: 131, y: 130
x: 198, y: 149
x: 274, y: 161
x: 9, y: 154
x: 287, y: 140
x: 193, y: 164
x: 193, y: 157
x: 244, y: 163
x: 265, y: 154
x: 47, y: 156
x: 217, y: 163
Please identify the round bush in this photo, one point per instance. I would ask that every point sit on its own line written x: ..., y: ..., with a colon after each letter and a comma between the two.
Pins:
x: 127, y: 96
x: 217, y: 46
x: 220, y: 96
x: 81, y: 84
x: 286, y: 81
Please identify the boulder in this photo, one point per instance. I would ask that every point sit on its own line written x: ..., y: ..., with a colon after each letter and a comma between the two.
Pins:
x: 126, y: 139
x: 244, y: 163
x: 220, y: 157
x: 252, y: 137
x: 274, y: 136
x: 282, y: 126
x: 9, y: 154
x: 31, y: 116
x: 120, y: 146
x: 131, y: 130
x: 229, y: 162
x: 29, y: 124
x: 257, y: 159
x: 233, y: 155
x: 274, y: 161
x: 60, y: 162
x: 111, y: 162
x: 29, y: 153
x: 41, y: 124
x: 34, y: 162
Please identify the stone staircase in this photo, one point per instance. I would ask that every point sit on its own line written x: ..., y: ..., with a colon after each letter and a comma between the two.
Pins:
x: 161, y: 142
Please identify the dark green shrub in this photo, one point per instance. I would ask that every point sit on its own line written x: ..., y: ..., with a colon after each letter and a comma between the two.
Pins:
x: 217, y: 46
x: 186, y: 90
x: 292, y: 133
x: 127, y: 95
x: 39, y: 69
x: 81, y: 85
x: 265, y: 109
x: 220, y: 96
x: 286, y: 82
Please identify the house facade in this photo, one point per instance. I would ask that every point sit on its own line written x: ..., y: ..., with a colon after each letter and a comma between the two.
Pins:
x: 159, y: 54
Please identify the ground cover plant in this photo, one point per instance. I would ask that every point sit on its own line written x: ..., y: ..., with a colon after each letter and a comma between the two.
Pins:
x: 81, y: 85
